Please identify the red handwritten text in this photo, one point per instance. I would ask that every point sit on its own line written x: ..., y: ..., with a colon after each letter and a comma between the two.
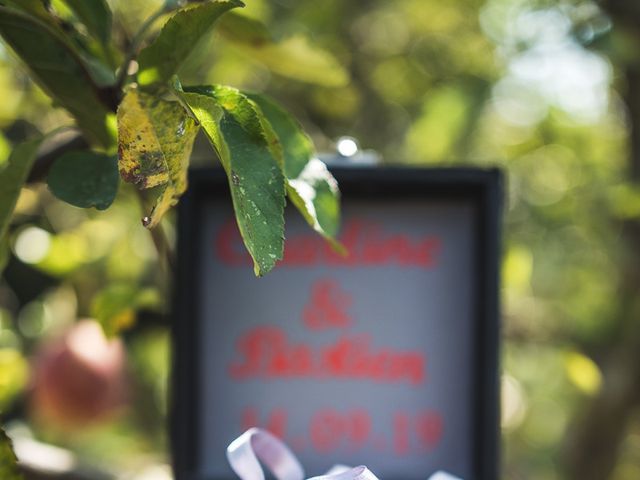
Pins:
x: 327, y: 306
x: 329, y: 430
x: 267, y: 352
x: 367, y: 243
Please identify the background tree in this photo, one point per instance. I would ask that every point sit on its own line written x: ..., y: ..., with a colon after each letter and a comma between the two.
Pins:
x: 546, y: 89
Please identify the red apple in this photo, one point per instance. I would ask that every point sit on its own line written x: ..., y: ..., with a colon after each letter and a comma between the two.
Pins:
x: 78, y: 378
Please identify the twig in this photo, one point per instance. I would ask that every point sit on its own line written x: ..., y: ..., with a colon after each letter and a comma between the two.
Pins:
x: 43, y: 164
x: 160, y: 240
x: 136, y: 42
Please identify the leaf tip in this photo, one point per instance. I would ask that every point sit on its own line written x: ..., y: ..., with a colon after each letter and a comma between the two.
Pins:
x: 338, y: 247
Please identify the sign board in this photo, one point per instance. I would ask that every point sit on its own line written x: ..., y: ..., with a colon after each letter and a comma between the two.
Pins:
x: 386, y: 357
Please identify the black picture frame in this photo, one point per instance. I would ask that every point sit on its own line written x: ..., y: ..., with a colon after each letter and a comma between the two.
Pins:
x: 484, y: 187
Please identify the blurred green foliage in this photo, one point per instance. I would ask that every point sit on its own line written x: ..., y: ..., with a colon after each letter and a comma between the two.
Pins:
x: 7, y: 459
x: 534, y: 86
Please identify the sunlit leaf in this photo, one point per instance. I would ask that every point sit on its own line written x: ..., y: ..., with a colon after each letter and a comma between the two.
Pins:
x: 155, y: 138
x: 583, y: 372
x: 178, y: 38
x: 5, y: 151
x: 8, y: 461
x: 115, y: 307
x: 14, y: 377
x: 95, y: 15
x: 294, y: 57
x: 251, y: 156
x: 517, y: 268
x: 435, y: 133
x: 310, y: 185
x: 624, y: 201
x: 85, y: 179
x: 58, y: 69
x: 13, y: 177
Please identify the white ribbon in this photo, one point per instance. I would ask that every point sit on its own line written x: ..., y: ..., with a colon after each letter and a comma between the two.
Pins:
x: 255, y: 445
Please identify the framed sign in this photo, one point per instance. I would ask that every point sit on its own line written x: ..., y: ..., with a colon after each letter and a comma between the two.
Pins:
x: 386, y: 357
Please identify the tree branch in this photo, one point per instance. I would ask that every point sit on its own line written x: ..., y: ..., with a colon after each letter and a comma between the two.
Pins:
x: 57, y: 147
x: 160, y: 240
x: 132, y: 51
x: 593, y: 442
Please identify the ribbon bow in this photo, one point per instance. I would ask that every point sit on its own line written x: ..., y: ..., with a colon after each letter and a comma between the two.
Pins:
x: 256, y: 445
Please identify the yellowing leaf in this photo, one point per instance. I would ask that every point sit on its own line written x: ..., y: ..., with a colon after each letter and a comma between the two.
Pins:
x: 155, y: 138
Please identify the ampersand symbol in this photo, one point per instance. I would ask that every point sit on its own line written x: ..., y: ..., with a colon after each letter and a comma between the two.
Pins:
x: 327, y: 307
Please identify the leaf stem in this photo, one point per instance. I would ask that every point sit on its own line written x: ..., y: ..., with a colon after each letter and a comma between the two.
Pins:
x: 137, y: 41
x: 166, y: 256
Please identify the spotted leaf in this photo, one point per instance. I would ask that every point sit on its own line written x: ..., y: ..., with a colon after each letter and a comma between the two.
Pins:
x: 155, y: 139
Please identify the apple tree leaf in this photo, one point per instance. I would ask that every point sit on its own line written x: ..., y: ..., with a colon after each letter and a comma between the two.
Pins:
x: 310, y: 185
x: 252, y: 157
x: 13, y: 176
x: 8, y: 461
x: 294, y: 57
x: 95, y: 15
x: 155, y: 139
x: 58, y: 69
x: 85, y: 179
x: 159, y: 61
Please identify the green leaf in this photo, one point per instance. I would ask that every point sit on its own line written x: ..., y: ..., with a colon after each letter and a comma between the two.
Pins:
x: 252, y: 158
x: 85, y: 179
x: 13, y: 177
x: 15, y: 376
x: 34, y: 7
x: 5, y: 151
x: 115, y: 307
x: 8, y: 461
x: 294, y: 57
x: 102, y: 75
x: 178, y: 38
x: 5, y: 254
x: 95, y: 15
x: 155, y: 138
x: 245, y: 30
x: 310, y: 185
x: 90, y: 12
x: 58, y: 69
